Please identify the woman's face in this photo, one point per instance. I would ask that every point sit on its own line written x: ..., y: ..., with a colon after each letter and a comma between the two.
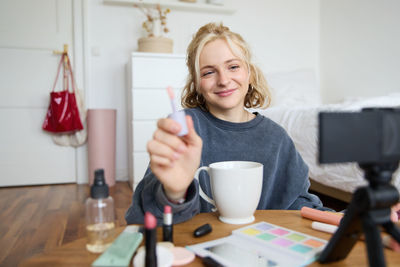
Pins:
x: 224, y: 79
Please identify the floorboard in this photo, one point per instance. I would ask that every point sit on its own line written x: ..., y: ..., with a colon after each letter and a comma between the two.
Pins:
x: 34, y: 219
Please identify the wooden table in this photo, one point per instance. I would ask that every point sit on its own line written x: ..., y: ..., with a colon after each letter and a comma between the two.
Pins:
x: 75, y: 253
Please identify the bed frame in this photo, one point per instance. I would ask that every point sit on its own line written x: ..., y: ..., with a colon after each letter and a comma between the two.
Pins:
x: 330, y: 191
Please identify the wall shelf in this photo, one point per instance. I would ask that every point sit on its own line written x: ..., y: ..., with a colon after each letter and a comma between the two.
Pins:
x: 175, y: 5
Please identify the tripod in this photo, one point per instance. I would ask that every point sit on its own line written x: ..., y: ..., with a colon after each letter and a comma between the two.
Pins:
x: 368, y: 209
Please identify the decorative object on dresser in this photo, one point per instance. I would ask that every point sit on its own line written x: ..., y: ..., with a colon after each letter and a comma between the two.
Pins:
x: 155, y: 26
x: 155, y: 44
x: 151, y: 74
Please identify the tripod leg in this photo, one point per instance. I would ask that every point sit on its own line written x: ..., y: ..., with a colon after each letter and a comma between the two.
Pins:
x: 373, y: 241
x: 348, y: 233
x: 393, y: 230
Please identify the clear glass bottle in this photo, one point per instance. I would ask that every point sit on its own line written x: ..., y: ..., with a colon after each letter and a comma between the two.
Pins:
x: 100, y: 219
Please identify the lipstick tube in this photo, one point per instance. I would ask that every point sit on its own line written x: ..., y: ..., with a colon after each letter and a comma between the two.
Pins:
x: 167, y: 224
x: 150, y: 226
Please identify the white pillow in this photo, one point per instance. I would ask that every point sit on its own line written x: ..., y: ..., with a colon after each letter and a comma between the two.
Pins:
x: 294, y: 88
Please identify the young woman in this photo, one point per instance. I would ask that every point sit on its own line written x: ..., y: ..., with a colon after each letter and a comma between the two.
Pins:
x: 222, y: 83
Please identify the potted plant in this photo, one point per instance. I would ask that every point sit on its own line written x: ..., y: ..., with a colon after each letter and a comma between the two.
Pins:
x: 155, y: 27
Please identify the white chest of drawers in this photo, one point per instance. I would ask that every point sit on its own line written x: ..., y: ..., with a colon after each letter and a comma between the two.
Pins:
x: 150, y: 74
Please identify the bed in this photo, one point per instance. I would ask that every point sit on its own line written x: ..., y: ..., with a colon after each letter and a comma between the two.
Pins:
x: 295, y: 106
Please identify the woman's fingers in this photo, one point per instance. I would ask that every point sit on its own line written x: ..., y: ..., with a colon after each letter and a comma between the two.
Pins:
x: 169, y: 125
x: 161, y: 153
x: 192, y: 134
x: 170, y: 140
x: 394, y: 216
x: 166, y: 147
x: 161, y: 161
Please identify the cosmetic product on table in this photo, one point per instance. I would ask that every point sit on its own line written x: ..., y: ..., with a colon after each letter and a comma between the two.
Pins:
x: 264, y: 243
x: 182, y: 256
x: 153, y: 255
x: 166, y: 244
x: 120, y: 252
x: 324, y: 227
x: 387, y: 240
x: 202, y: 230
x: 177, y: 115
x: 167, y: 224
x: 165, y: 257
x: 99, y: 215
x: 321, y: 216
x: 150, y: 224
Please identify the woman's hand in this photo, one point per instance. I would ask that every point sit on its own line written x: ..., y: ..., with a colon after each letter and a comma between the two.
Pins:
x: 394, y: 216
x: 174, y: 159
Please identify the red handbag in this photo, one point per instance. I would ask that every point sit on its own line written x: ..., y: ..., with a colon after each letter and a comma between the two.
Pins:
x: 63, y: 114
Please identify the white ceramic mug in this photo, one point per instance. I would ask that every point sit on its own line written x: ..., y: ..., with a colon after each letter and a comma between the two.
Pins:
x: 236, y: 189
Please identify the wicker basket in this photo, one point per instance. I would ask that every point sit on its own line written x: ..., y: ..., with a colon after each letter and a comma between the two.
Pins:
x: 155, y: 45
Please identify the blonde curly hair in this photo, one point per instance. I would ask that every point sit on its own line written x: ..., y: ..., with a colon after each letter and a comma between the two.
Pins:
x: 258, y: 95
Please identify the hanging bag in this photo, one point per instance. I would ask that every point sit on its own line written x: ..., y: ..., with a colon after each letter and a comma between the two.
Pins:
x: 76, y: 138
x: 63, y: 115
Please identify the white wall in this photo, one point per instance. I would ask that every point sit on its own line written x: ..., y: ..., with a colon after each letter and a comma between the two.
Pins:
x: 283, y: 34
x: 353, y: 45
x: 360, y: 48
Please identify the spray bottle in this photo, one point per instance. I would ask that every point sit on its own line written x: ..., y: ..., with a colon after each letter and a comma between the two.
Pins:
x: 100, y: 218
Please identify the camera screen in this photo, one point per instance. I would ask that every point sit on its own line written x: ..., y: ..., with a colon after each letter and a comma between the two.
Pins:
x: 370, y: 136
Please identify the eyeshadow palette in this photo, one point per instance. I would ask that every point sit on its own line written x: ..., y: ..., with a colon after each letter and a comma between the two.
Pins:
x: 288, y: 241
x: 262, y: 244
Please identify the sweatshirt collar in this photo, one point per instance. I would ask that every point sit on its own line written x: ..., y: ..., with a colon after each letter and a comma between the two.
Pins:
x: 232, y: 125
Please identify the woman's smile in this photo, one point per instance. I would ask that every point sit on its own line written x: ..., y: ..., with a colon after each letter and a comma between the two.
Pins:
x: 225, y: 93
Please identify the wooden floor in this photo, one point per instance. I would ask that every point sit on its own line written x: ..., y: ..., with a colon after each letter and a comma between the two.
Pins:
x: 38, y: 218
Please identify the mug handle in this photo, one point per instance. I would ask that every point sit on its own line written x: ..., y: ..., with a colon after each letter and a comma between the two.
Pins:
x: 201, y: 192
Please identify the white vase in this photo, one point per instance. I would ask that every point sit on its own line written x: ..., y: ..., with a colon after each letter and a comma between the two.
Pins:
x: 156, y: 30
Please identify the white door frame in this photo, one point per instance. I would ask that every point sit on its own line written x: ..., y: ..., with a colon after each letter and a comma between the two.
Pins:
x: 81, y: 67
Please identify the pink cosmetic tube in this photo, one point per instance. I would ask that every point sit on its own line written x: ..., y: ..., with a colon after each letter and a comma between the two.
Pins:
x: 320, y: 216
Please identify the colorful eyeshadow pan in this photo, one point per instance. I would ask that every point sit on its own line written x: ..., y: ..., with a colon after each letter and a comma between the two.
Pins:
x: 251, y: 231
x: 295, y: 237
x: 263, y: 227
x: 266, y: 236
x: 313, y: 243
x: 279, y: 232
x: 301, y: 248
x: 282, y: 242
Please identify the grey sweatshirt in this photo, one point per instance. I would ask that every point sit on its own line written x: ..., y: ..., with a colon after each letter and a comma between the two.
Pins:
x: 285, y: 183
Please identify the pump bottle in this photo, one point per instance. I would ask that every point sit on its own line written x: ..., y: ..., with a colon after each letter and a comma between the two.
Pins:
x: 100, y: 218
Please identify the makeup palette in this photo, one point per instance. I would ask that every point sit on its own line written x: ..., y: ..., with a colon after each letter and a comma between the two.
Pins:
x: 288, y: 241
x: 262, y: 244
